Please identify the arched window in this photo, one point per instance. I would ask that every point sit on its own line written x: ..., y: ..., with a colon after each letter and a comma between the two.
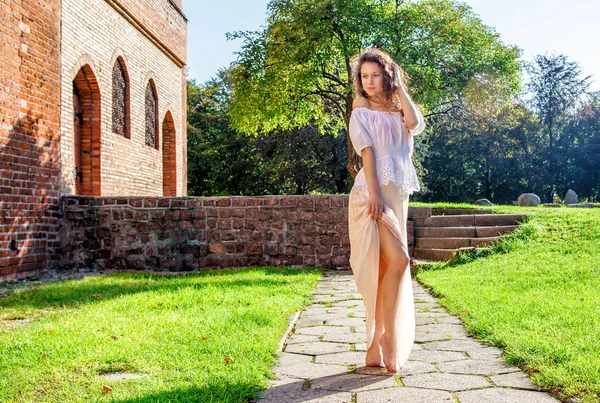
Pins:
x: 120, y: 99
x: 151, y: 115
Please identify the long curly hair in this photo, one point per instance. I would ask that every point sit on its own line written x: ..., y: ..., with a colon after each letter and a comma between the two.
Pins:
x: 393, y: 76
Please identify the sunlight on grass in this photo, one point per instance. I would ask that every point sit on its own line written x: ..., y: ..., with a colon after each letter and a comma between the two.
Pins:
x: 176, y: 330
x: 536, y: 296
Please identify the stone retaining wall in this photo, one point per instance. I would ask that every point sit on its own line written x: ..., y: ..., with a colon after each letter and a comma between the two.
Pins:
x: 155, y: 233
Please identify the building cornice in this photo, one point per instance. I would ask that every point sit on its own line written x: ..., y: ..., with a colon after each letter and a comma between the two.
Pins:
x: 116, y: 4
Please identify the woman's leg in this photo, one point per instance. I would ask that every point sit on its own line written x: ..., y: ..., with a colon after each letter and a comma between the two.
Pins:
x: 374, y: 354
x: 396, y: 257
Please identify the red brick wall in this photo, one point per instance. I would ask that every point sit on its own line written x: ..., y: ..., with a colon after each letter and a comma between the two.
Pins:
x: 192, y: 233
x: 29, y: 135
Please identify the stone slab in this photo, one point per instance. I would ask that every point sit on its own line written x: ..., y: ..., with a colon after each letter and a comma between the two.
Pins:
x: 301, y: 338
x: 449, y: 382
x: 437, y: 355
x: 348, y: 358
x: 345, y: 338
x: 286, y: 359
x: 347, y: 322
x: 477, y: 367
x: 353, y: 383
x: 317, y: 348
x: 322, y: 330
x: 501, y: 395
x: 454, y: 345
x: 404, y: 395
x: 310, y: 371
x: 517, y: 380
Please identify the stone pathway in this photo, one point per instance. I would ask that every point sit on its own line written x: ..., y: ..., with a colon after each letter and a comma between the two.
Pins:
x: 323, y: 360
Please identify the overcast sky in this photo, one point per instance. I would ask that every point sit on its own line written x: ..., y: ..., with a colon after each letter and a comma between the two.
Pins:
x: 535, y: 26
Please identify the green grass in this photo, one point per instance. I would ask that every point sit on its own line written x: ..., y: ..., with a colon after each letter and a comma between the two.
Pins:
x: 536, y: 296
x: 177, y: 330
x: 447, y: 205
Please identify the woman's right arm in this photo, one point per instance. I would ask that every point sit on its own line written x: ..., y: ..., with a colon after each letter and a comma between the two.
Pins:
x: 370, y: 168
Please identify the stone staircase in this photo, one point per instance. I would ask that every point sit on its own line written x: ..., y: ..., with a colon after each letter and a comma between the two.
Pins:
x: 441, y: 235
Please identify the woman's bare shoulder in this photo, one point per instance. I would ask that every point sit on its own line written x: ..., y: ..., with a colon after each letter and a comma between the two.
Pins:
x: 360, y: 102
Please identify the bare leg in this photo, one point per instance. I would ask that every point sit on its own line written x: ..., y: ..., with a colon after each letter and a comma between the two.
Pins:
x: 374, y: 354
x: 396, y: 257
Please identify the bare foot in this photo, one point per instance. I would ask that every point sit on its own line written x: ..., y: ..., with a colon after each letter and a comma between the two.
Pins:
x: 389, y: 349
x: 374, y: 356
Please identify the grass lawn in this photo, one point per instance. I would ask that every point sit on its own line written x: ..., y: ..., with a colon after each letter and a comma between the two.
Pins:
x: 58, y: 339
x: 537, y: 297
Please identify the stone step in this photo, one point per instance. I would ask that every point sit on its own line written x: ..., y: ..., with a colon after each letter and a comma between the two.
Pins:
x: 463, y: 232
x: 471, y: 220
x: 453, y: 243
x: 437, y: 255
x: 459, y: 211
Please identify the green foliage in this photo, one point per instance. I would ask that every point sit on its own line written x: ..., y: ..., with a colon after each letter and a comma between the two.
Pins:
x: 222, y: 161
x: 176, y: 330
x: 297, y: 70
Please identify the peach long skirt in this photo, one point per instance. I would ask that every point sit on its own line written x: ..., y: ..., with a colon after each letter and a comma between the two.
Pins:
x: 364, y: 259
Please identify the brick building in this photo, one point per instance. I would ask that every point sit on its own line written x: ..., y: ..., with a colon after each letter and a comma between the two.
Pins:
x: 92, y: 102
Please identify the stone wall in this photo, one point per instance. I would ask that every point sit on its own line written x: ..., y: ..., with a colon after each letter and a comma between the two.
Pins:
x: 193, y: 233
x: 149, y: 38
x: 29, y: 135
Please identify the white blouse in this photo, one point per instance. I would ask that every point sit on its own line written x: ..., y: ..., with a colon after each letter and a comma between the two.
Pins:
x: 392, y: 144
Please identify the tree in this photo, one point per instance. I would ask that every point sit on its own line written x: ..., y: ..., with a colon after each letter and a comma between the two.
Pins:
x: 297, y: 70
x: 557, y: 90
x: 223, y: 161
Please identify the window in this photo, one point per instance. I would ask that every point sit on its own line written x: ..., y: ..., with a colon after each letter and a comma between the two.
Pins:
x: 120, y: 100
x: 151, y: 116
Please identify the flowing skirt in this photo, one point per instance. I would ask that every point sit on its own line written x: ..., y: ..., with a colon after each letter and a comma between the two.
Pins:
x: 364, y: 259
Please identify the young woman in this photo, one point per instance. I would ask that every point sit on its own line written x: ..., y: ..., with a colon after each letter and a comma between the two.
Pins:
x: 382, y: 124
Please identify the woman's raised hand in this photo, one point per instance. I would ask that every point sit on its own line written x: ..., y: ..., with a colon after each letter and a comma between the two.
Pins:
x: 375, y: 205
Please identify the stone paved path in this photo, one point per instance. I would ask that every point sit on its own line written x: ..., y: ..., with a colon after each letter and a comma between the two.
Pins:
x: 323, y: 360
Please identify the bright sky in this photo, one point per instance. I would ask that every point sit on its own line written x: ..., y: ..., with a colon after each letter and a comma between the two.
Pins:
x: 535, y: 26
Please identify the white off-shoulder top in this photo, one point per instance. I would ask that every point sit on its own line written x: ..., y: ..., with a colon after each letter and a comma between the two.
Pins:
x: 392, y: 144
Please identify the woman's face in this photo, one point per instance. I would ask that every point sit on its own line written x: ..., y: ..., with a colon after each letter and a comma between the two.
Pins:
x: 372, y: 78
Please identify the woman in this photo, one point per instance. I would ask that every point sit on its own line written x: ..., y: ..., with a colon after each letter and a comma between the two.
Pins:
x: 382, y: 124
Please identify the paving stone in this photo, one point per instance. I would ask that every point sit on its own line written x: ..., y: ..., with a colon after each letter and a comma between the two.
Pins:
x: 422, y: 337
x: 443, y: 328
x: 292, y: 391
x: 316, y: 348
x: 301, y: 338
x: 313, y: 320
x: 322, y: 330
x: 404, y: 395
x: 485, y: 353
x: 350, y: 302
x: 518, y: 380
x: 437, y: 355
x: 420, y: 320
x: 360, y: 329
x: 345, y: 338
x: 454, y: 345
x: 293, y: 359
x: 310, y: 371
x: 501, y: 395
x: 353, y: 383
x: 450, y: 382
x: 360, y: 346
x: 449, y: 319
x: 351, y: 357
x: 434, y: 314
x: 328, y: 298
x: 477, y: 367
x: 347, y: 322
